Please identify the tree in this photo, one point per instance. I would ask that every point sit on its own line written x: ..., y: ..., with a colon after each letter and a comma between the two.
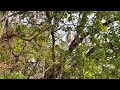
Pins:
x: 32, y: 44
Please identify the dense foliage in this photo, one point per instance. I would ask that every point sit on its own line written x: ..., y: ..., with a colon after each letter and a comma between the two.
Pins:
x: 59, y: 44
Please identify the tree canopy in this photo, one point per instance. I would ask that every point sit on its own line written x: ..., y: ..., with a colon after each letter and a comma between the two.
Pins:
x: 59, y: 44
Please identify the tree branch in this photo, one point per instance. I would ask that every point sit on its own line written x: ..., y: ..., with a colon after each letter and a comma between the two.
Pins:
x: 14, y: 14
x: 53, y: 54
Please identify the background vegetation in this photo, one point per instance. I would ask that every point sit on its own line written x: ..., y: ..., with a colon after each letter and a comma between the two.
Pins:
x: 59, y: 44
